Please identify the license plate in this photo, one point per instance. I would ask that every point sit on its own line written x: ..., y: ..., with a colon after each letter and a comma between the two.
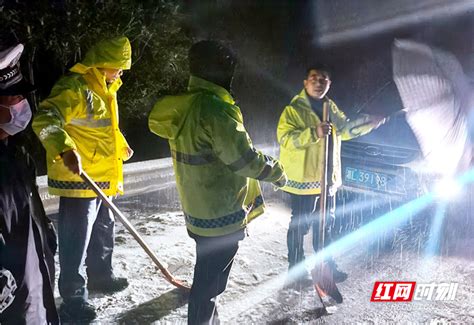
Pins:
x: 381, y: 182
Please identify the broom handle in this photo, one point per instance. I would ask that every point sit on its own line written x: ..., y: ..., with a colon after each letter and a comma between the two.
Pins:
x: 324, y: 177
x: 131, y: 229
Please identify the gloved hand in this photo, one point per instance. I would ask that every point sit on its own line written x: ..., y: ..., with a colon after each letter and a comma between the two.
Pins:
x: 282, y: 181
x: 377, y: 120
x: 7, y: 289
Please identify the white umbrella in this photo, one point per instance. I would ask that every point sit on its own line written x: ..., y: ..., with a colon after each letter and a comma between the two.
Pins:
x: 438, y: 100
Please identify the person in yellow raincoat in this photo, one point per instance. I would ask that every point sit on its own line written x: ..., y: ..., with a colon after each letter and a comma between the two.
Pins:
x: 300, y: 129
x: 217, y: 170
x: 78, y: 124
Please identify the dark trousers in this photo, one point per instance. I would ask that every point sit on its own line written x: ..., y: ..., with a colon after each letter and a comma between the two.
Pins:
x: 214, y: 258
x: 23, y: 255
x: 85, y: 229
x: 304, y: 215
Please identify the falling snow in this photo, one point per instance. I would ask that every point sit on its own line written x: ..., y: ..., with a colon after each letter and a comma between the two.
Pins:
x: 255, y: 293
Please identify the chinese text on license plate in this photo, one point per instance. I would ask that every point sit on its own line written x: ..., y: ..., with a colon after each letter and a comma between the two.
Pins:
x: 372, y: 180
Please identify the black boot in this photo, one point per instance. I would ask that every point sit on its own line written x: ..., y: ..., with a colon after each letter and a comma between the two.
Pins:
x: 109, y: 285
x: 80, y: 311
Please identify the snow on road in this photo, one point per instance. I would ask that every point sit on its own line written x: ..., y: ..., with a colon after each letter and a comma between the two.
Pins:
x: 254, y: 294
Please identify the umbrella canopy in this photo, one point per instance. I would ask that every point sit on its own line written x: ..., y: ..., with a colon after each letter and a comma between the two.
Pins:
x: 438, y: 99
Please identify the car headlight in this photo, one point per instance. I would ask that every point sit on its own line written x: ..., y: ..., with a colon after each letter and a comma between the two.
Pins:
x: 447, y: 189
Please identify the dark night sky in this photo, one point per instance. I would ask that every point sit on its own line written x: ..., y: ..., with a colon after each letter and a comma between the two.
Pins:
x: 277, y: 40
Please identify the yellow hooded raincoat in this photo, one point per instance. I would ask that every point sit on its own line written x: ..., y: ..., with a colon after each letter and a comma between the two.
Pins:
x: 81, y: 113
x: 301, y: 151
x: 217, y: 168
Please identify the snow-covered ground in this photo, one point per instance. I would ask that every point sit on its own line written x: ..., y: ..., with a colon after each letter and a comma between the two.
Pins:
x: 254, y: 294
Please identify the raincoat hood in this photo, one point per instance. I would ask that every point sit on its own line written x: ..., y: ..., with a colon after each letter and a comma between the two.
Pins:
x: 170, y: 112
x: 115, y: 53
x: 81, y: 113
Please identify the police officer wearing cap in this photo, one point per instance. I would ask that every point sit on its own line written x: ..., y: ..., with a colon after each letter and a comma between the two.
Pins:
x: 27, y: 237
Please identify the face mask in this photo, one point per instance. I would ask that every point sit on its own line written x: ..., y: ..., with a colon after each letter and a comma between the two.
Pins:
x: 20, y: 117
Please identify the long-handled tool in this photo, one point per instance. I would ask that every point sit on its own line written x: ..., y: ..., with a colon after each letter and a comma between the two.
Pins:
x: 169, y: 277
x: 322, y: 274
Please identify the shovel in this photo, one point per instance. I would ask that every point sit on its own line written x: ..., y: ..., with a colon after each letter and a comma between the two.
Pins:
x: 108, y: 203
x: 322, y: 275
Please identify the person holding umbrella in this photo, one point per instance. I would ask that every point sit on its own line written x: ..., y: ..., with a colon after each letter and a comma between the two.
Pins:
x: 300, y: 130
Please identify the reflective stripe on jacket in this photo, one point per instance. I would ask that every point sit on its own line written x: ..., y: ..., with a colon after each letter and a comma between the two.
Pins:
x: 81, y: 113
x: 216, y: 166
x: 301, y: 150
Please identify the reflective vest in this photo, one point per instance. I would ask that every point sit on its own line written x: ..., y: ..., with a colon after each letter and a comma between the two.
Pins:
x: 301, y: 151
x: 81, y: 113
x: 216, y: 166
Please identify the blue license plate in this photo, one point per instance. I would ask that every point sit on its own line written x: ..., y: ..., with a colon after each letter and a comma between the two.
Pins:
x: 377, y: 181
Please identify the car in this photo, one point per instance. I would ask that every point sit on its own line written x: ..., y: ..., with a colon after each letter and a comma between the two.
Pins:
x: 380, y: 172
x: 380, y: 162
